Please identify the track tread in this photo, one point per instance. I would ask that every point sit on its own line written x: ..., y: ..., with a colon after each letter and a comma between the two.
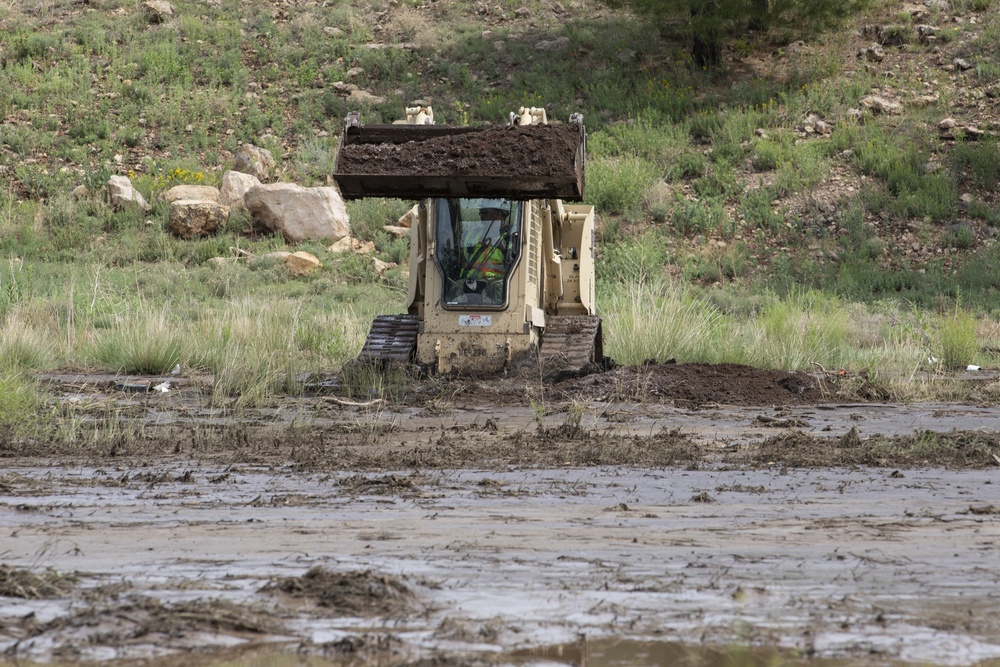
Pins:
x: 391, y: 338
x: 571, y: 342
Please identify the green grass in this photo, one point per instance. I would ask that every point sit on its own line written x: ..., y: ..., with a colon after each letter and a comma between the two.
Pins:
x: 675, y: 165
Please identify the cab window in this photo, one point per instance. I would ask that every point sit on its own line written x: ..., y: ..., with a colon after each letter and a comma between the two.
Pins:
x: 478, y: 243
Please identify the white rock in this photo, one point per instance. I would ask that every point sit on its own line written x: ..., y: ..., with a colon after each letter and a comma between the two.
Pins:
x: 123, y: 194
x: 301, y: 263
x: 348, y: 244
x: 882, y: 105
x: 235, y: 185
x: 299, y: 213
x: 198, y: 192
x: 381, y: 267
x: 190, y: 218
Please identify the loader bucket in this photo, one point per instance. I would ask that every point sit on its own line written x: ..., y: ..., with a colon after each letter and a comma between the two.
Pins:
x: 423, y: 161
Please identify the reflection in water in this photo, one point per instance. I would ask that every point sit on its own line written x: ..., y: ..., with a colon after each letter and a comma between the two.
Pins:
x: 631, y: 653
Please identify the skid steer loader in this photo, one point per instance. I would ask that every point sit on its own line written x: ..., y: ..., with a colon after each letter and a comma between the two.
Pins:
x: 501, y: 268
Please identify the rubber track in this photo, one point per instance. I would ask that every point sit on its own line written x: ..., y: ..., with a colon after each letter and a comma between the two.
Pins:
x: 392, y: 338
x: 571, y: 342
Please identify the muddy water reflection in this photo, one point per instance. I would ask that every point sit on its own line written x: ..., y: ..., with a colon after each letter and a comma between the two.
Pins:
x: 829, y: 562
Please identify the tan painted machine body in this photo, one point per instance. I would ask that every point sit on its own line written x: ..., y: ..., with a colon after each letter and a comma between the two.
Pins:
x: 496, y: 280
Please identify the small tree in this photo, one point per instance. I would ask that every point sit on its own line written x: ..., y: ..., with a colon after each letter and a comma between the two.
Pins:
x: 711, y: 21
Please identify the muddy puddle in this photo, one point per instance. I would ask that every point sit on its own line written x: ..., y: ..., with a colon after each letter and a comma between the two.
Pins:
x: 674, y: 515
x: 850, y: 565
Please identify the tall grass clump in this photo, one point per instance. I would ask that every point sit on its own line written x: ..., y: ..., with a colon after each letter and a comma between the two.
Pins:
x: 19, y: 402
x: 957, y: 340
x: 659, y: 319
x: 800, y: 330
x: 141, y: 342
x: 251, y: 348
x: 25, y: 347
x: 618, y: 184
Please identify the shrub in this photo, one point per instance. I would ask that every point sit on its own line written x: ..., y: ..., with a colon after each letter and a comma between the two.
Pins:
x: 689, y: 165
x: 140, y: 343
x: 19, y: 402
x: 957, y: 340
x: 617, y: 185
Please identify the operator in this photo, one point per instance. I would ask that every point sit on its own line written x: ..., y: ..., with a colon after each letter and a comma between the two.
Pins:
x: 486, y: 259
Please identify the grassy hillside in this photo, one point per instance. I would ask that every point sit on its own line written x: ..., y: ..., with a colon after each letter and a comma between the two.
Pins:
x: 761, y: 214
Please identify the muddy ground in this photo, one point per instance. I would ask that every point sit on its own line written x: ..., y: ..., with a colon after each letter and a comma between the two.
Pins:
x: 475, y: 522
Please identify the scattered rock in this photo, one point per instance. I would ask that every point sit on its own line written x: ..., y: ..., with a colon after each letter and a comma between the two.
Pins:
x: 190, y: 218
x: 625, y: 56
x: 124, y: 194
x: 872, y: 53
x: 253, y: 160
x: 408, y: 218
x: 364, y: 97
x: 197, y: 192
x: 158, y: 11
x: 972, y: 133
x: 298, y: 263
x: 926, y: 32
x: 881, y: 105
x: 918, y: 12
x: 349, y: 244
x: 299, y: 213
x: 301, y: 263
x: 381, y: 267
x: 235, y: 185
x: 549, y: 45
x: 397, y: 232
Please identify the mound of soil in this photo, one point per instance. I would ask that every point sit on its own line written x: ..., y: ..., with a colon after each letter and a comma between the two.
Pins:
x: 361, y: 593
x: 694, y: 385
x: 496, y: 152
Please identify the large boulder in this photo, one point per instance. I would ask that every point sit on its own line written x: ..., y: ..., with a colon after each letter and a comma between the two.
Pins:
x: 198, y: 192
x: 190, y: 218
x: 253, y: 160
x: 298, y: 213
x: 123, y: 194
x: 235, y: 185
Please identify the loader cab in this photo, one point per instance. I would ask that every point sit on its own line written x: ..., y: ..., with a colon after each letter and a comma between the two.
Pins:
x: 477, y: 248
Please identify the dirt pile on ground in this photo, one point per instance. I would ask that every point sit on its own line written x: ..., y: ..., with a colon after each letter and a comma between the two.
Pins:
x: 495, y: 152
x: 695, y: 385
x: 361, y: 593
x: 24, y: 584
